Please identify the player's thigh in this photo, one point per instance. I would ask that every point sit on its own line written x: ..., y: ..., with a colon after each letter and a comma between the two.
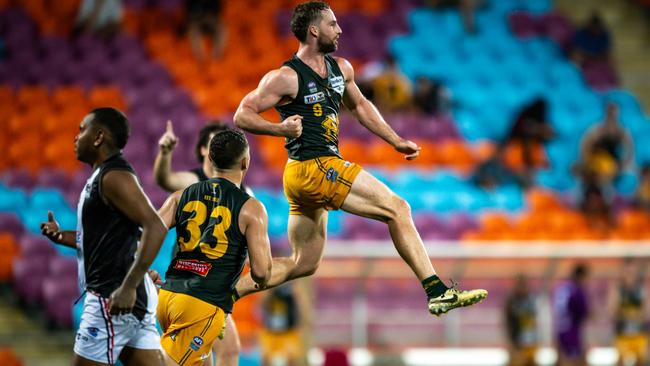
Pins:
x: 307, y: 233
x: 142, y: 357
x: 370, y: 198
x: 227, y: 349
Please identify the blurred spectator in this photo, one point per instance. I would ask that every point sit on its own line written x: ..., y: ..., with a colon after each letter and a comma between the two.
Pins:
x: 467, y: 10
x: 391, y: 88
x: 595, y: 204
x: 606, y: 149
x: 203, y: 17
x: 521, y: 323
x: 100, y: 17
x: 3, y: 50
x: 494, y: 173
x: 531, y: 130
x: 592, y: 42
x: 642, y: 196
x: 571, y: 307
x: 430, y: 97
x: 280, y: 339
x: 628, y: 305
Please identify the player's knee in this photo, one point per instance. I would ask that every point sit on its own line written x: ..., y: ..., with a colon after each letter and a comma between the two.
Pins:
x: 305, y: 268
x: 400, y: 209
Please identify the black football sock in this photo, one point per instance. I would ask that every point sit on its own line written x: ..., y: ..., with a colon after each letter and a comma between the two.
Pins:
x: 434, y: 286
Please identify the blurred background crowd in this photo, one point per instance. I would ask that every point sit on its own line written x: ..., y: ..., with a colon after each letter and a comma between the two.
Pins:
x: 530, y: 114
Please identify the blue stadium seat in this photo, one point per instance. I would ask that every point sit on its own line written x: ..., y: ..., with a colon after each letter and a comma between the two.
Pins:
x: 12, y: 200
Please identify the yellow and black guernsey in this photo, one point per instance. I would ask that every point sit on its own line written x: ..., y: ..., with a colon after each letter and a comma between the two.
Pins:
x: 318, y: 101
x: 211, y: 248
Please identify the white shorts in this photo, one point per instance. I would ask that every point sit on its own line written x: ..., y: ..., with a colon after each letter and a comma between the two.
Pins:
x: 102, y: 336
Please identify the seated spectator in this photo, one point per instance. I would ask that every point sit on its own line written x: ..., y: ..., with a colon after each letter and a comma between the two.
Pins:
x: 430, y: 97
x: 606, y: 149
x: 203, y: 17
x: 100, y: 17
x: 592, y: 42
x: 391, y: 88
x: 642, y: 196
x: 530, y: 130
x: 494, y: 173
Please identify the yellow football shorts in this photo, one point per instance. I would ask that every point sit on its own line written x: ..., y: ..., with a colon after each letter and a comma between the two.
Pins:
x: 633, y: 345
x: 286, y: 345
x: 189, y: 327
x: 318, y: 183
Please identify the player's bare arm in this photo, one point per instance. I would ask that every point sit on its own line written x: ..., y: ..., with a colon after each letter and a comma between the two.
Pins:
x: 52, y: 231
x: 364, y: 111
x: 122, y: 191
x: 253, y: 223
x: 167, y: 211
x: 276, y: 87
x: 168, y: 179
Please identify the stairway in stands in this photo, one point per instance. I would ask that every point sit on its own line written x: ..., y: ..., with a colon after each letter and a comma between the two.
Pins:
x: 631, y: 39
x: 29, y: 339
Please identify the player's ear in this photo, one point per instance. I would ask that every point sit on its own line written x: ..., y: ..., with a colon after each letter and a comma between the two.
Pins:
x: 100, y: 135
x: 245, y: 163
x: 313, y: 30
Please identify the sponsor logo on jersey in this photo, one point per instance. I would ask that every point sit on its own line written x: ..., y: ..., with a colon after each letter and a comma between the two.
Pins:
x: 338, y: 84
x: 314, y: 98
x: 347, y: 164
x: 196, y: 343
x: 331, y: 175
x: 173, y: 336
x: 194, y: 266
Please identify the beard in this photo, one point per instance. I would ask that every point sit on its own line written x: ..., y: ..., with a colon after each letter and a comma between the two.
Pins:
x: 326, y: 46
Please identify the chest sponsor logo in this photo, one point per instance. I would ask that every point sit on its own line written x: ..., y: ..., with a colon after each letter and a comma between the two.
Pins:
x: 314, y: 98
x: 93, y: 332
x: 194, y: 266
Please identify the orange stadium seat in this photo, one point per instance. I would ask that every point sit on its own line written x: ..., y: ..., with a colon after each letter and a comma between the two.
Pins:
x: 65, y: 96
x: 8, y: 358
x: 9, y: 250
x: 540, y: 199
x: 106, y: 96
x: 495, y: 222
x: 32, y: 96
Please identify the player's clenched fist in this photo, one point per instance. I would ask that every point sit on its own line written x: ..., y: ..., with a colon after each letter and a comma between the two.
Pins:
x: 410, y: 149
x: 292, y: 126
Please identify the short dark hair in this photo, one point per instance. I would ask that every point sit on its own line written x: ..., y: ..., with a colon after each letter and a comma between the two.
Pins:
x: 204, y: 137
x: 115, y: 122
x: 226, y: 147
x: 304, y: 15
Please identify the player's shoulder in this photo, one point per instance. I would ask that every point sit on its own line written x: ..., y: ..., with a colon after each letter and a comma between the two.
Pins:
x: 344, y: 65
x: 282, y: 80
x: 252, y: 209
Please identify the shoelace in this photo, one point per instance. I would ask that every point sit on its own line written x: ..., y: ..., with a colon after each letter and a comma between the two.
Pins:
x: 454, y: 286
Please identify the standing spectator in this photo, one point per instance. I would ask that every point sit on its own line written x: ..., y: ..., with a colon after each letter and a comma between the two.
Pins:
x: 642, y: 196
x: 596, y: 204
x: 606, y: 149
x: 203, y: 17
x: 100, y: 17
x: 592, y: 42
x: 628, y: 305
x: 571, y: 305
x: 531, y: 130
x: 391, y: 88
x: 521, y: 324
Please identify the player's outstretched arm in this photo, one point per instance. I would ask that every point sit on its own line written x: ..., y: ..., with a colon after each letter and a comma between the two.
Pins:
x: 167, y: 211
x: 253, y: 222
x: 166, y: 178
x: 274, y: 88
x: 364, y: 111
x: 122, y: 191
x: 52, y: 231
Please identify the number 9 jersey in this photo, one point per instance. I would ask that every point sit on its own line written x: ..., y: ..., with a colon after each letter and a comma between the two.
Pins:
x: 211, y: 248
